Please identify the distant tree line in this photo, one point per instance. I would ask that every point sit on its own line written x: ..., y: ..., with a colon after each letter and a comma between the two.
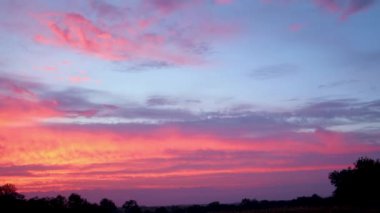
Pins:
x: 354, y: 186
x: 12, y: 201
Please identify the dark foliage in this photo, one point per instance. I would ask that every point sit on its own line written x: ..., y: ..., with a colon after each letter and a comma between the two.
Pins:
x: 13, y: 202
x: 108, y: 205
x: 360, y: 184
x: 131, y: 206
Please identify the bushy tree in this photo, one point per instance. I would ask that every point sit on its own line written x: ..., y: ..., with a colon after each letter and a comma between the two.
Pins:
x: 131, y: 206
x: 360, y: 184
x: 75, y: 201
x: 10, y: 191
x: 10, y: 199
x: 108, y: 205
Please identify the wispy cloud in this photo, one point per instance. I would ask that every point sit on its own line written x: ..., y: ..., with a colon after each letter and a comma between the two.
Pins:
x: 345, y: 8
x: 19, y: 105
x: 132, y: 34
x: 338, y: 83
x: 296, y: 27
x: 223, y: 2
x: 77, y: 32
x: 160, y: 101
x: 274, y: 71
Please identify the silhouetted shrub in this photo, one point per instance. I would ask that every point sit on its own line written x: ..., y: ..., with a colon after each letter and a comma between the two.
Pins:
x: 131, y: 206
x: 358, y: 185
x: 10, y: 199
x: 107, y: 206
x: 9, y: 191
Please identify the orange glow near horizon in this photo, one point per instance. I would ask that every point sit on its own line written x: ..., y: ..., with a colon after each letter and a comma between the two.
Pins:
x: 71, y: 159
x: 41, y: 156
x: 186, y: 101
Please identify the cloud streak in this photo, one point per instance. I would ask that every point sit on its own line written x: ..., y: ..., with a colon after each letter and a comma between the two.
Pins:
x: 273, y: 71
x: 345, y: 8
x: 74, y: 31
x: 125, y: 37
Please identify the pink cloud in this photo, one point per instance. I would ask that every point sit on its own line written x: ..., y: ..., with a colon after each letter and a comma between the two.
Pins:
x: 74, y: 31
x: 345, y: 8
x: 20, y: 105
x: 223, y: 2
x: 12, y: 89
x: 48, y: 69
x: 356, y: 6
x: 169, y: 6
x: 87, y: 156
x: 285, y: 2
x: 15, y: 111
x: 151, y: 158
x: 79, y: 79
x: 143, y: 32
x: 296, y: 27
x: 330, y: 5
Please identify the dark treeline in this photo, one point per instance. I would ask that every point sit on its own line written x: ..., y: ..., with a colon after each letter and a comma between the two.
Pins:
x: 357, y: 188
x: 11, y: 201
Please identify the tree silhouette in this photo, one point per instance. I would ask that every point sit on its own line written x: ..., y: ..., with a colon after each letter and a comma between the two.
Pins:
x: 11, y: 199
x: 59, y: 202
x: 108, y: 205
x: 131, y: 206
x: 75, y: 201
x: 360, y: 184
x: 9, y: 191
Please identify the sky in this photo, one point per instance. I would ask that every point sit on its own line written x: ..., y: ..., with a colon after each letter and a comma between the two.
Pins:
x: 186, y: 101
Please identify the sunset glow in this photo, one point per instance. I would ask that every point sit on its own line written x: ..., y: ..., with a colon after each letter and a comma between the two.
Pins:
x: 185, y: 101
